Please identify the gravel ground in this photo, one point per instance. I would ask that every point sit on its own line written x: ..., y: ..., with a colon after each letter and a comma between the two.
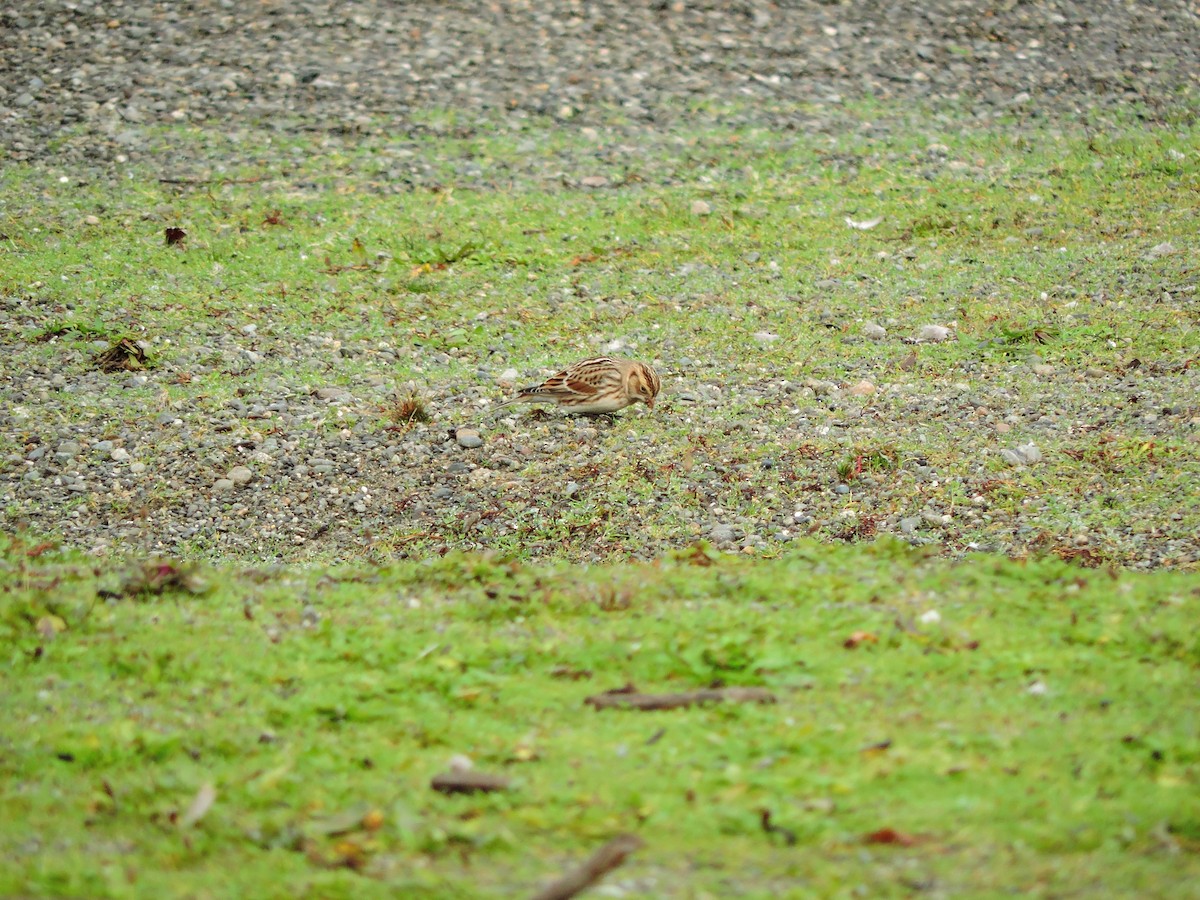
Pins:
x: 294, y: 471
x: 79, y: 78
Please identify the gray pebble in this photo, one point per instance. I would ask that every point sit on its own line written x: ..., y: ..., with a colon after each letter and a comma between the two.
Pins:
x: 241, y: 475
x: 720, y: 534
x: 468, y: 438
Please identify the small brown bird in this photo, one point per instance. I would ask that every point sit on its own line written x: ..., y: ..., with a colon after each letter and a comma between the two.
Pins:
x: 595, y: 386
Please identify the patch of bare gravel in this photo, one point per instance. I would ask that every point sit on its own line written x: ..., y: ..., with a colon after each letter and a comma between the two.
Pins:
x: 80, y: 80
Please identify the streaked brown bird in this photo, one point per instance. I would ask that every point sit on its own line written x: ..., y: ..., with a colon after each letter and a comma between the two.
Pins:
x: 601, y: 384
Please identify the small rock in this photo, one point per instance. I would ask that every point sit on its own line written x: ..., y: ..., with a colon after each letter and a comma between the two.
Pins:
x: 222, y: 486
x: 468, y: 438
x: 701, y: 208
x: 909, y: 524
x: 1030, y: 453
x: 842, y: 489
x: 1164, y: 249
x: 821, y: 388
x: 240, y: 475
x: 873, y: 331
x: 508, y: 376
x: 137, y: 468
x: 933, y: 333
x: 765, y: 337
x: 593, y: 181
x: 721, y: 534
x: 930, y: 617
x: 332, y: 393
x: 1042, y: 369
x: 862, y: 389
x: 91, y: 220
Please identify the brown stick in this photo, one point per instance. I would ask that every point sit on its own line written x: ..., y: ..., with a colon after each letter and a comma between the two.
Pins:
x: 622, y: 699
x: 468, y: 782
x: 597, y: 866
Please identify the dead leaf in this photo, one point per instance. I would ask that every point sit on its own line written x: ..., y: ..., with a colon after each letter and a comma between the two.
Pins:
x: 568, y: 672
x: 201, y: 804
x: 859, y: 637
x: 126, y: 354
x: 909, y: 362
x: 891, y: 836
x: 175, y: 236
x: 469, y: 782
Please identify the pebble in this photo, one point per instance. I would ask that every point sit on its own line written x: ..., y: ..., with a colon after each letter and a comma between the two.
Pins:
x: 862, y: 389
x: 721, y: 534
x: 223, y: 486
x: 873, y: 331
x: 701, y: 208
x: 468, y: 438
x: 933, y: 333
x: 240, y: 475
x: 1025, y: 454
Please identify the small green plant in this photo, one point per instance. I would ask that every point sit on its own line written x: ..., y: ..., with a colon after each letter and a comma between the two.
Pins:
x: 868, y: 459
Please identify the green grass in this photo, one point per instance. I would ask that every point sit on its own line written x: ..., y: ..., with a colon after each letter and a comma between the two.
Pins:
x: 1036, y: 738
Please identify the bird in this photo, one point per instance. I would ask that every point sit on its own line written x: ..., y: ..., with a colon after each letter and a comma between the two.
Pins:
x: 595, y: 386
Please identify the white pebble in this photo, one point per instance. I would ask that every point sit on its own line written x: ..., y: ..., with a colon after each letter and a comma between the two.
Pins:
x: 930, y: 616
x: 933, y: 333
x: 874, y: 331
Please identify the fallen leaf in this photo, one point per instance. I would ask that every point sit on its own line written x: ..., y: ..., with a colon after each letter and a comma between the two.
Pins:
x: 175, y: 236
x: 859, y: 637
x: 891, y: 836
x: 468, y: 783
x: 201, y: 804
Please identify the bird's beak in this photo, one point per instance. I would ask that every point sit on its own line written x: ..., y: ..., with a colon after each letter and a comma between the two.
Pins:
x: 650, y: 403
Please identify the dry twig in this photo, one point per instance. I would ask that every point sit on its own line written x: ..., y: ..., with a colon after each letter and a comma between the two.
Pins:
x: 599, y: 864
